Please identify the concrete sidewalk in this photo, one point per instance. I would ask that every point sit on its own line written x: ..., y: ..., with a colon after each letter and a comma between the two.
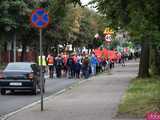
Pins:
x: 95, y: 99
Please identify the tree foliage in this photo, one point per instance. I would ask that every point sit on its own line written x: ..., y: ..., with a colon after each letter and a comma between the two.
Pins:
x: 70, y: 23
x: 140, y: 18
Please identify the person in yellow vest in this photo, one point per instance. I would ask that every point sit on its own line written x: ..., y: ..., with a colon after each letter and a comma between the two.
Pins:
x: 43, y: 62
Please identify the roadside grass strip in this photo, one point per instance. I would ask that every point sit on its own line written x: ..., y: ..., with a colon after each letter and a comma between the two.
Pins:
x: 142, y: 96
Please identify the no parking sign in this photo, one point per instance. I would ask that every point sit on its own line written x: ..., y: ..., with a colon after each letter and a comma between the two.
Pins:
x: 39, y: 18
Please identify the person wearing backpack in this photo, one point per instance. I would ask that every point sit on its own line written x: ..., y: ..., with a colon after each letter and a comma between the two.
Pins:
x: 94, y: 63
x: 77, y: 68
x: 59, y: 65
x: 85, y: 67
x: 70, y: 65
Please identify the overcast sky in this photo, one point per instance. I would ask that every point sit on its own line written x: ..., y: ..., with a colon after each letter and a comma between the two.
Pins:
x: 84, y: 1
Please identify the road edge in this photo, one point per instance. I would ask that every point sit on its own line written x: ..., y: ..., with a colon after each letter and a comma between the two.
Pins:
x: 5, y: 117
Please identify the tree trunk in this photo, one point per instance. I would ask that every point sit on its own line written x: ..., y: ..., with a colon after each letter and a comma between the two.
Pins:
x: 144, y: 60
x: 154, y: 61
x: 157, y: 61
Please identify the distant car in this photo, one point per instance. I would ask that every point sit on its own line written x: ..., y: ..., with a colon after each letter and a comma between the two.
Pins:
x: 20, y: 76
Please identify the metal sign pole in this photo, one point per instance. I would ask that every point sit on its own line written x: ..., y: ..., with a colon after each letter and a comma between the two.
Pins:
x: 40, y: 19
x: 41, y: 74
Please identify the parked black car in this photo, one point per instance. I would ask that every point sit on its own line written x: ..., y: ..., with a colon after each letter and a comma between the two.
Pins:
x: 20, y: 76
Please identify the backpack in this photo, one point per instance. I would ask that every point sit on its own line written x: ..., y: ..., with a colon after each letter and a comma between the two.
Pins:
x: 59, y: 62
x: 70, y: 61
x: 50, y: 60
x: 85, y: 61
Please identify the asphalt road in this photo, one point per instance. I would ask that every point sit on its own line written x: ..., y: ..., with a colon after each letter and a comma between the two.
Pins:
x: 19, y: 99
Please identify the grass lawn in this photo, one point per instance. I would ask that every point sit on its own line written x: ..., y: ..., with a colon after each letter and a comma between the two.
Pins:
x: 142, y: 96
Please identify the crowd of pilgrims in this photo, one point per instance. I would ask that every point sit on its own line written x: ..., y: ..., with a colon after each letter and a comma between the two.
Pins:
x: 77, y: 66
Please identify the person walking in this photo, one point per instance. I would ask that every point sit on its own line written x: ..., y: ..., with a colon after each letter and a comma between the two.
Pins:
x: 77, y: 68
x: 94, y: 63
x: 123, y: 59
x: 58, y: 66
x: 50, y: 62
x: 85, y: 67
x: 65, y: 69
x: 70, y: 66
x: 43, y: 62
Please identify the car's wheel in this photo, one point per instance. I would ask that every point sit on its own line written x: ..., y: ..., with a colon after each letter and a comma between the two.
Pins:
x: 3, y: 91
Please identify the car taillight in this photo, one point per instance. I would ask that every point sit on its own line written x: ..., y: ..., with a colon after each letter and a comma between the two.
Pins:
x: 1, y: 76
x: 30, y: 76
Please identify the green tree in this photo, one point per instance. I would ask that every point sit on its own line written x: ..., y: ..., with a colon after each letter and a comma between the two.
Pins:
x: 140, y: 18
x: 73, y: 25
x: 14, y: 19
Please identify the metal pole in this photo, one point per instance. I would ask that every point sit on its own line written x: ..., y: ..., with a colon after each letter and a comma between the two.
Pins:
x: 9, y: 51
x: 41, y: 74
x: 14, y: 47
x: 58, y: 49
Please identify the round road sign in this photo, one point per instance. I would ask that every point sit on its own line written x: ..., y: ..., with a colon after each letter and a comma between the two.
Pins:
x: 39, y: 18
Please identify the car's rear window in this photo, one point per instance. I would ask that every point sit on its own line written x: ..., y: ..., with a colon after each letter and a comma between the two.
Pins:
x: 18, y: 66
